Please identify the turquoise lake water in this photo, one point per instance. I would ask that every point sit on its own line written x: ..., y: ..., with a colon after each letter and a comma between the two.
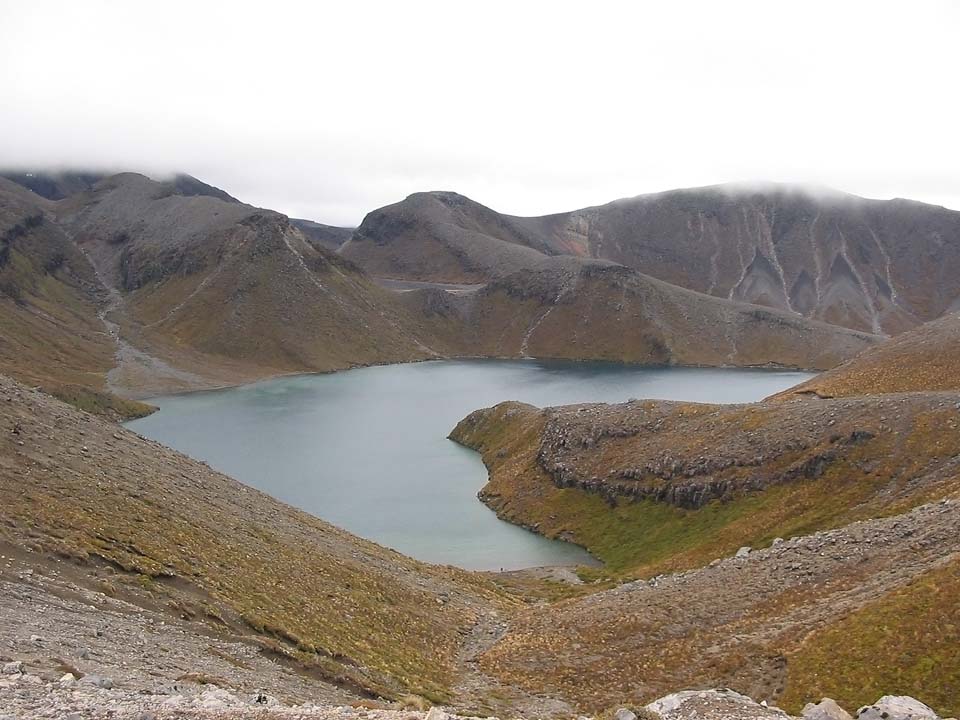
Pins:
x: 367, y: 449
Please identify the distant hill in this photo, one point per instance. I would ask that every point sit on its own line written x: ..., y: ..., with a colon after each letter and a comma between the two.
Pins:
x: 326, y: 236
x: 176, y: 285
x: 207, y: 290
x: 60, y: 185
x: 595, y: 310
x: 54, y: 185
x: 877, y: 266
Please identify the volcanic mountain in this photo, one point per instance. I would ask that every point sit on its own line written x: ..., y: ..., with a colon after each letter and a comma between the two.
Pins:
x: 177, y: 285
x: 876, y: 266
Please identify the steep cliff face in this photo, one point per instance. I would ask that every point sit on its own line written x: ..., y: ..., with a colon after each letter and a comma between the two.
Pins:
x: 876, y: 266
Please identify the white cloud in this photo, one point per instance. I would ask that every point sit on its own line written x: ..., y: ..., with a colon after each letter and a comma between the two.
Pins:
x: 329, y: 111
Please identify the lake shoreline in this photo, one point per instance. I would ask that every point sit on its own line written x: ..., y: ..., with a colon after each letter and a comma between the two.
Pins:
x: 367, y: 450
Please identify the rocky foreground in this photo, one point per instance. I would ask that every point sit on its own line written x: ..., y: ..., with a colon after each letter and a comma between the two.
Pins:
x: 92, y: 698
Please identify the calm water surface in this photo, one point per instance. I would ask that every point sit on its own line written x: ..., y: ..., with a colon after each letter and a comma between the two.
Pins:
x: 366, y: 449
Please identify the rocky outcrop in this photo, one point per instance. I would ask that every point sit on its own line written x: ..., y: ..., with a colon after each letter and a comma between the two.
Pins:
x: 657, y: 450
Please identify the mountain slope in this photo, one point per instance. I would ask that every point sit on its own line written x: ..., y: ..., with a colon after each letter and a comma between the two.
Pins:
x: 49, y: 299
x: 206, y: 291
x: 867, y: 487
x: 144, y: 523
x: 876, y: 266
x: 442, y: 237
x: 181, y: 287
x: 320, y: 235
x: 866, y: 484
x: 593, y: 310
x: 927, y: 358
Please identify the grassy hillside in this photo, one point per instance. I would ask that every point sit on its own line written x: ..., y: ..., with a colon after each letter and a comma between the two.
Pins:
x: 353, y: 613
x: 906, y: 642
x: 859, y: 513
x: 655, y: 486
x: 927, y: 358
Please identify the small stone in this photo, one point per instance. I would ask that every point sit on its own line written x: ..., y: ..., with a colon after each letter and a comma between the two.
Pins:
x: 743, y: 552
x: 36, y: 639
x: 625, y: 714
x: 12, y: 668
x: 777, y: 541
x: 73, y: 716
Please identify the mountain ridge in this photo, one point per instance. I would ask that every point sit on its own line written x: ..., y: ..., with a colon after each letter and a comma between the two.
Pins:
x: 875, y: 265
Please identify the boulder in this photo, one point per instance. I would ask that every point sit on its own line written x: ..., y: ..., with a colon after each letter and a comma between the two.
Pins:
x: 716, y: 704
x: 68, y: 680
x: 897, y: 707
x: 99, y: 681
x: 624, y: 714
x: 826, y: 709
x: 216, y: 699
x: 436, y: 714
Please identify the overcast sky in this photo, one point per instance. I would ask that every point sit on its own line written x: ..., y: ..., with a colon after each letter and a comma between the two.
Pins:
x: 328, y: 110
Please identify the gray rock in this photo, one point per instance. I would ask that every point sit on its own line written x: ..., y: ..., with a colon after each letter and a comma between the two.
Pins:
x: 436, y: 714
x: 97, y: 681
x: 73, y: 716
x: 826, y: 709
x: 625, y: 714
x: 718, y: 703
x: 12, y: 668
x: 897, y: 707
x: 743, y: 552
